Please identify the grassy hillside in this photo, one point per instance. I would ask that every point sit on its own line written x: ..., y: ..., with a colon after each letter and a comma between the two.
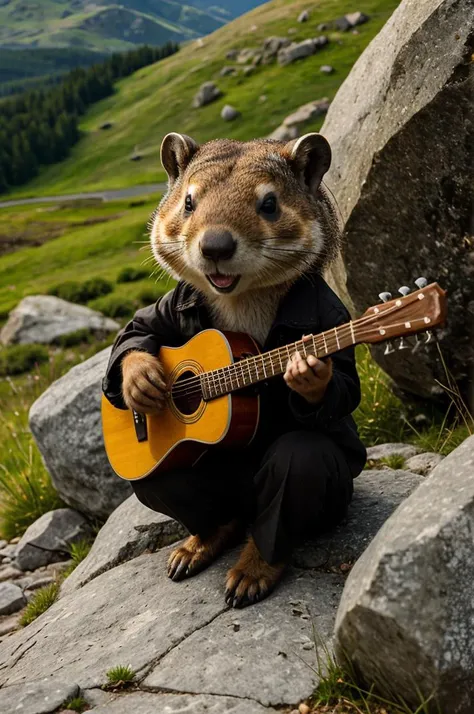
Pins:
x: 106, y: 25
x: 158, y: 99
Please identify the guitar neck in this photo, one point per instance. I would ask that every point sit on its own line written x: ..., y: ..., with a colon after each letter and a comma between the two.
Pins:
x: 258, y: 368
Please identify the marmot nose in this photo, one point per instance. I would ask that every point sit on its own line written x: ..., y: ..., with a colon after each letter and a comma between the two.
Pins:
x: 217, y: 244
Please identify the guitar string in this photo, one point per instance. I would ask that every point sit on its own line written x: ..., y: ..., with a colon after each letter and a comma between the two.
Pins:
x: 270, y: 360
x: 259, y: 361
x: 264, y: 355
x: 198, y: 390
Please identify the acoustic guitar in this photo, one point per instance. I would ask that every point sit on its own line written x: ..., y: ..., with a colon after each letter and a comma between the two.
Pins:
x: 207, y: 403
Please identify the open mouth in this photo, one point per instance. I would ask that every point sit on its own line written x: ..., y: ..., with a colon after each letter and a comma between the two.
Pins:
x: 223, y: 283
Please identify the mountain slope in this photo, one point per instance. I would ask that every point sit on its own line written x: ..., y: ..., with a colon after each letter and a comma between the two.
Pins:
x: 157, y: 99
x: 105, y: 25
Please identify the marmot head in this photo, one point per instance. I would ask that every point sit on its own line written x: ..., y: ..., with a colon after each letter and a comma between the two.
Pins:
x: 241, y: 216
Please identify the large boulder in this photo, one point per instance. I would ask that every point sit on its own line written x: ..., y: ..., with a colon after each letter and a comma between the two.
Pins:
x: 66, y: 424
x: 44, y: 318
x: 400, y: 128
x: 49, y: 538
x: 406, y: 614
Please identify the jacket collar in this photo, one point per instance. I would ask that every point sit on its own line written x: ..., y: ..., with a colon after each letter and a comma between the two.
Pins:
x: 298, y: 309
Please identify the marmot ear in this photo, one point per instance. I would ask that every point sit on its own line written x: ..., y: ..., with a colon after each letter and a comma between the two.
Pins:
x: 311, y: 155
x: 177, y: 150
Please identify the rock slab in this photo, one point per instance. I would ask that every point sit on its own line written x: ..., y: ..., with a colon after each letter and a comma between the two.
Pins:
x: 405, y: 618
x: 66, y: 424
x: 404, y: 116
x: 206, y: 94
x: 384, y: 451
x: 41, y: 697
x: 44, y: 318
x: 47, y: 540
x: 131, y: 530
x: 143, y: 703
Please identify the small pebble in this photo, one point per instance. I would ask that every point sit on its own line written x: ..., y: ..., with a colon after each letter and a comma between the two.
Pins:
x: 14, y: 541
x: 308, y: 646
x: 295, y: 711
x: 304, y: 708
x: 6, y: 560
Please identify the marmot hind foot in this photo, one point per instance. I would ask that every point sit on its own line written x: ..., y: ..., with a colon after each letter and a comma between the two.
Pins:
x: 251, y: 579
x: 198, y: 553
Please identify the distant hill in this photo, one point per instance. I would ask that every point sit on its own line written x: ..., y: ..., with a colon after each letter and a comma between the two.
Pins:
x: 30, y: 68
x: 108, y: 25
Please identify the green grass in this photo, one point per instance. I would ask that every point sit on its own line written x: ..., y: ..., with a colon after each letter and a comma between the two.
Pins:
x: 120, y: 677
x: 394, y: 461
x: 16, y: 359
x: 39, y: 603
x: 76, y: 704
x: 79, y: 552
x: 86, y: 249
x: 157, y: 99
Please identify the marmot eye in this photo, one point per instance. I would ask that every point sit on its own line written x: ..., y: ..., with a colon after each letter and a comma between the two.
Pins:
x: 188, y: 204
x: 269, y: 205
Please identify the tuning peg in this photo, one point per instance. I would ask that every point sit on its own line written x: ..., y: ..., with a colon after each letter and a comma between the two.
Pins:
x: 404, y: 290
x: 389, y: 348
x: 384, y: 297
x: 421, y: 283
x: 404, y: 345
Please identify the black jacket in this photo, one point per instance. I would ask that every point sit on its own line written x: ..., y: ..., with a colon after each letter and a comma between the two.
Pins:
x: 309, y: 307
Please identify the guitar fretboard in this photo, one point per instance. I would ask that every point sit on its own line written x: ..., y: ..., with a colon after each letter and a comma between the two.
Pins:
x: 270, y: 364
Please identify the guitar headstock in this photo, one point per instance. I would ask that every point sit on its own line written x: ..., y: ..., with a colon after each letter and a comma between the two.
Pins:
x: 409, y: 314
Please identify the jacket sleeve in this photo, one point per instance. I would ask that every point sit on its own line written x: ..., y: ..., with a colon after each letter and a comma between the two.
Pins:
x: 151, y: 328
x: 342, y: 395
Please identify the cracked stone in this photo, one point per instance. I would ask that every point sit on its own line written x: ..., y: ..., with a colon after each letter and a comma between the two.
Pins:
x: 133, y: 614
x: 376, y: 495
x: 217, y: 660
x: 39, y: 697
x: 382, y: 451
x: 142, y: 703
x: 424, y: 464
x: 131, y: 530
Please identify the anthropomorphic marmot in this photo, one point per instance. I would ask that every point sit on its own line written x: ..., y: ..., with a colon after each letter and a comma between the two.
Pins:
x: 247, y: 228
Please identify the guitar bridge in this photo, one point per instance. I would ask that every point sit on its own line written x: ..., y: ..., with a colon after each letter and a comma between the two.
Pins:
x: 141, y: 430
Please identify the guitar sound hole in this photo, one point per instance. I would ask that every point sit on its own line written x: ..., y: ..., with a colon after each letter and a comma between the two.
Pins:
x: 187, y: 397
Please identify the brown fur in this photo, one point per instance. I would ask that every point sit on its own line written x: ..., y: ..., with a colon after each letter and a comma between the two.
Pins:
x: 143, y: 386
x: 251, y: 579
x: 196, y: 554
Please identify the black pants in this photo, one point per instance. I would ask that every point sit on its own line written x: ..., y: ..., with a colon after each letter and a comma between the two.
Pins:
x: 300, y: 485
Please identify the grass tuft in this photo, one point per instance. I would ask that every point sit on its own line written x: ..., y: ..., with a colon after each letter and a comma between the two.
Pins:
x: 17, y: 359
x: 131, y: 274
x: 79, y: 552
x: 76, y: 292
x: 76, y: 704
x: 394, y: 461
x: 114, y: 306
x: 39, y: 603
x: 120, y: 677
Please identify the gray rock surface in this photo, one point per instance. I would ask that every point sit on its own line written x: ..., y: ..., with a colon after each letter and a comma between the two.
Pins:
x: 376, y: 495
x: 43, y: 318
x: 214, y: 660
x: 300, y: 50
x: 11, y: 599
x: 284, y: 133
x: 228, y: 112
x: 9, y: 572
x: 206, y: 94
x: 357, y: 18
x: 130, y: 530
x: 272, y: 45
x: 246, y: 54
x: 405, y: 618
x: 48, y: 539
x: 228, y: 71
x: 143, y: 703
x: 303, y: 16
x: 326, y: 69
x: 66, y: 424
x: 423, y: 464
x: 382, y: 451
x: 41, y: 697
x: 404, y: 116
x: 293, y: 124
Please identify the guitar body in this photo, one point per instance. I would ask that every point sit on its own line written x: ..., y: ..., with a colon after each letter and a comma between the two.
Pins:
x: 188, y: 426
